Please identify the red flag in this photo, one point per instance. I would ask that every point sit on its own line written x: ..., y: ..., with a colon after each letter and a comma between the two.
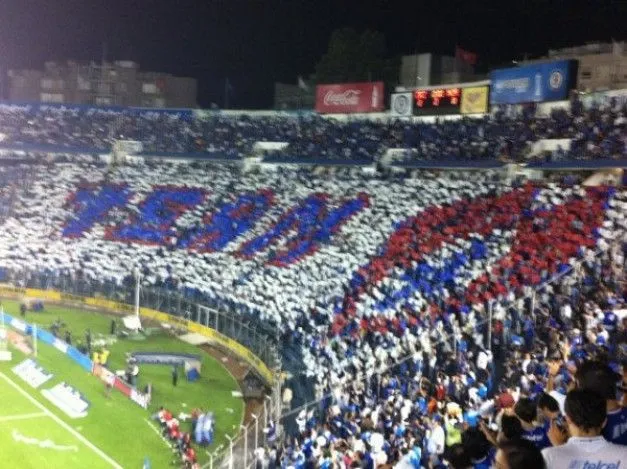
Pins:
x: 465, y: 56
x: 160, y: 83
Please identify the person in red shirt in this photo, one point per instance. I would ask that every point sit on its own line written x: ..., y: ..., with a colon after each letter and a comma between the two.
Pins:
x: 189, y: 457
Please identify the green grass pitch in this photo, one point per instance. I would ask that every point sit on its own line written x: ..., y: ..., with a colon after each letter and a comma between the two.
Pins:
x: 117, y: 432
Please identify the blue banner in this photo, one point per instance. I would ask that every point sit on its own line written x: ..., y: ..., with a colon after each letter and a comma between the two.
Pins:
x: 550, y: 81
x: 79, y: 358
x: 46, y: 337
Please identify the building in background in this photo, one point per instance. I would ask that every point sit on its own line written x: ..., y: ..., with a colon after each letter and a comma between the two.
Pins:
x: 422, y: 70
x: 290, y: 97
x: 602, y: 66
x: 119, y: 83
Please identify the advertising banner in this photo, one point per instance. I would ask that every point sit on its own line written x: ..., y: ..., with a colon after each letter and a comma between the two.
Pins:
x: 122, y: 387
x: 550, y: 81
x: 79, y: 358
x: 474, y: 100
x: 402, y: 105
x: 18, y: 324
x: 139, y: 398
x: 11, y: 291
x: 60, y: 345
x: 164, y: 358
x: 349, y: 98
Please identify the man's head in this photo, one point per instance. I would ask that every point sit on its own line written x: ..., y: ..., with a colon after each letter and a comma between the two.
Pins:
x: 519, y: 454
x: 475, y: 444
x: 511, y: 429
x: 586, y: 412
x: 548, y: 406
x: 458, y: 458
x: 598, y: 377
x: 525, y: 410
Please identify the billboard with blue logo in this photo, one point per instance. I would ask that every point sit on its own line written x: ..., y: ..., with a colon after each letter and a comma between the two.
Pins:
x: 550, y: 81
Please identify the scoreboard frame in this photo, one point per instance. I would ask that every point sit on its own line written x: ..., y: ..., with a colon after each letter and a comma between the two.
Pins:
x: 437, y: 101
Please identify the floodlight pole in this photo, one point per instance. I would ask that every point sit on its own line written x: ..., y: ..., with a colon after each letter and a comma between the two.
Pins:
x: 265, y: 411
x: 243, y: 427
x: 256, y: 430
x: 230, y: 451
x: 137, y: 282
x: 490, y: 325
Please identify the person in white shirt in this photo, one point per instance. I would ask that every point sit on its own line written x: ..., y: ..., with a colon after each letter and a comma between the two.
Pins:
x: 436, y: 440
x: 586, y: 414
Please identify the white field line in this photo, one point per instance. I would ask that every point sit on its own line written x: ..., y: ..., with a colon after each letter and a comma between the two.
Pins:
x: 77, y: 435
x: 9, y: 418
x: 156, y: 430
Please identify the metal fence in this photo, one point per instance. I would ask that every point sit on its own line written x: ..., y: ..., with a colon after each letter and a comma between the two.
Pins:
x: 239, y: 452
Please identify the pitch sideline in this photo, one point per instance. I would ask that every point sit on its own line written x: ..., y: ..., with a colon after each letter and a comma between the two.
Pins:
x: 46, y: 411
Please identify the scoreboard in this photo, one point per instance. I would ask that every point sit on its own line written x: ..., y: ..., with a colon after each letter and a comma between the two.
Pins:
x: 437, y: 101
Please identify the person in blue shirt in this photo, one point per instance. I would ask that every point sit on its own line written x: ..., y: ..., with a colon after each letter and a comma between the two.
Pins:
x: 525, y: 409
x: 610, y: 321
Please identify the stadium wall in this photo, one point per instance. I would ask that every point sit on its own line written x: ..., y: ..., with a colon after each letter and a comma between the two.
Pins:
x: 214, y: 336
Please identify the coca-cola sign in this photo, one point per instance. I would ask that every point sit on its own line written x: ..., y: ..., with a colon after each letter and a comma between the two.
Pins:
x: 349, y: 98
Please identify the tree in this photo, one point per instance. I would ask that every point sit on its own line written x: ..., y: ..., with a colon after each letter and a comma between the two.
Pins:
x: 356, y: 57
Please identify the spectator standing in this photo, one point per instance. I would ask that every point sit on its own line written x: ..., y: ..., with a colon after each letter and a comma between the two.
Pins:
x: 436, y: 440
x: 525, y: 410
x: 175, y: 375
x: 600, y: 378
x: 586, y: 415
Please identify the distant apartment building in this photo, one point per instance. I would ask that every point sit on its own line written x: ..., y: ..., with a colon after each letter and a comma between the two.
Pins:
x: 119, y: 83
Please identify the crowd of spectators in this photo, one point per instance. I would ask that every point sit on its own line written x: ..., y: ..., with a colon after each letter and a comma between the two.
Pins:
x: 464, y: 403
x: 594, y: 133
x: 382, y: 289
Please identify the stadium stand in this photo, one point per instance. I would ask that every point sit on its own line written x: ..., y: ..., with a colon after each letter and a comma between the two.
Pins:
x: 595, y: 133
x: 412, y: 312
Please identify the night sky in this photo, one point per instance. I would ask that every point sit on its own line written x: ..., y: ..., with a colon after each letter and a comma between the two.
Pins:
x: 256, y: 43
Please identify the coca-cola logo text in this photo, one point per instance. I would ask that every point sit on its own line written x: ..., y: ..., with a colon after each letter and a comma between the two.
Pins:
x: 346, y: 98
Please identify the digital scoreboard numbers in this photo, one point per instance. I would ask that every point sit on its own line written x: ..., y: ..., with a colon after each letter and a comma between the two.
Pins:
x: 438, y: 101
